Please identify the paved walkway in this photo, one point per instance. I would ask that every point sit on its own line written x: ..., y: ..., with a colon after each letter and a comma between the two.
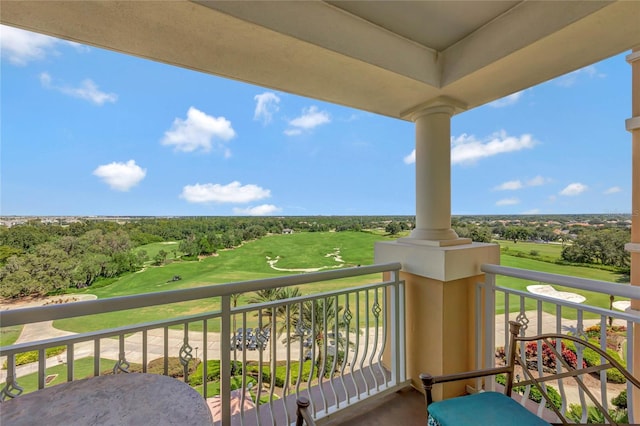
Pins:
x: 110, y: 347
x: 547, y: 324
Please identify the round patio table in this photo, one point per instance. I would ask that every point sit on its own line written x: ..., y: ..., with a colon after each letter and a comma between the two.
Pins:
x: 120, y: 399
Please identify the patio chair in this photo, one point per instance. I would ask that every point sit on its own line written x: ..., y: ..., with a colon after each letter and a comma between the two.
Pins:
x: 497, y: 409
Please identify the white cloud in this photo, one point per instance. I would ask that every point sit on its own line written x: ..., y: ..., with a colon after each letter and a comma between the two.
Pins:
x: 20, y: 46
x: 538, y: 181
x: 263, y: 210
x: 574, y: 189
x: 532, y: 211
x: 121, y: 176
x: 87, y: 90
x: 234, y: 192
x: 293, y: 132
x: 411, y: 158
x: 511, y: 185
x: 507, y: 202
x: 612, y: 190
x: 309, y: 119
x: 572, y: 78
x: 198, y: 131
x: 466, y: 149
x: 266, y: 106
x: 507, y: 100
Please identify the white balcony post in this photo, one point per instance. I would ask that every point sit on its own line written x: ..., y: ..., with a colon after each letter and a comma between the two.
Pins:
x: 433, y: 172
x: 633, y: 126
x: 225, y: 359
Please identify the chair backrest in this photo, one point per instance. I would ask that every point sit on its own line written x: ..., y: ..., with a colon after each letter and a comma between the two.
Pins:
x: 564, y: 369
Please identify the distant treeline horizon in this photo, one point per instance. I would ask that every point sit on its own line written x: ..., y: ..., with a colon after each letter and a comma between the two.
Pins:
x: 493, y: 216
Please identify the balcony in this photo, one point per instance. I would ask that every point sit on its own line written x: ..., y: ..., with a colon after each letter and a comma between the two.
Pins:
x: 260, y: 356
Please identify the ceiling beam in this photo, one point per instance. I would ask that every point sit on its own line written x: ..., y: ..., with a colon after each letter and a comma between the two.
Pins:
x: 328, y: 27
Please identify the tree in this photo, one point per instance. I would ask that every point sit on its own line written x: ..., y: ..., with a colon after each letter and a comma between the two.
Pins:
x: 318, y: 319
x: 160, y: 257
x: 604, y: 246
x: 393, y: 228
x: 6, y: 252
x: 517, y: 233
x: 90, y: 267
x: 143, y: 256
x: 189, y: 246
x: 273, y: 294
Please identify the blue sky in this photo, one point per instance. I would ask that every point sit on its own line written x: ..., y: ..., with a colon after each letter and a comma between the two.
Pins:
x: 87, y: 131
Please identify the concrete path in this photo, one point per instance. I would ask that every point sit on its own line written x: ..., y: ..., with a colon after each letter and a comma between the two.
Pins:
x: 110, y: 347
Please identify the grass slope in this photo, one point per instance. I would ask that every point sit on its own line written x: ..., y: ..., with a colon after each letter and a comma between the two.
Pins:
x: 82, y: 369
x: 300, y: 250
x: 248, y: 262
x: 595, y: 299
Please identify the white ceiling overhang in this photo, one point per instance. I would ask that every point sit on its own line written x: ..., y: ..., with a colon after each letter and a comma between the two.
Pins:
x: 387, y: 57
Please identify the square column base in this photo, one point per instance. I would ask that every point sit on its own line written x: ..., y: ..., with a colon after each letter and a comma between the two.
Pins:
x: 443, y: 263
x: 440, y: 308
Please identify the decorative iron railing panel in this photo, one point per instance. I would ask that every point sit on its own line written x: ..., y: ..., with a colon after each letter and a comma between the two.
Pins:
x: 251, y: 361
x: 555, y: 313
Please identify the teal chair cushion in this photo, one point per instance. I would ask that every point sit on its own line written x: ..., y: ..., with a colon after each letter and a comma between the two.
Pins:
x: 482, y: 409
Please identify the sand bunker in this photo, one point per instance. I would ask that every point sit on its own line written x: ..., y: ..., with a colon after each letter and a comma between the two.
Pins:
x: 335, y: 254
x: 622, y: 305
x: 547, y: 290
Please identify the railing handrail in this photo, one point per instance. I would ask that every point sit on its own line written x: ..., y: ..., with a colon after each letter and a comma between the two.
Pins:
x: 134, y: 328
x: 54, y: 312
x: 632, y: 292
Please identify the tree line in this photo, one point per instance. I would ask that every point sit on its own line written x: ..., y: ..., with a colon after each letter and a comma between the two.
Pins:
x: 38, y: 259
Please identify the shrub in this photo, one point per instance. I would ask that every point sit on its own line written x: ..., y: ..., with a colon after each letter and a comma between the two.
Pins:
x: 281, y: 372
x: 534, y: 253
x: 328, y: 364
x: 253, y: 370
x: 594, y: 330
x: 549, y: 357
x: 534, y: 393
x: 32, y: 356
x: 134, y: 367
x: 592, y: 358
x: 616, y: 334
x: 620, y: 401
x: 213, y: 371
x: 174, y: 367
x: 595, y: 416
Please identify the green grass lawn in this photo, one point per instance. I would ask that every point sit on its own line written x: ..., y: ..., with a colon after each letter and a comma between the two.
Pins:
x: 9, y: 335
x: 248, y: 262
x: 170, y: 247
x: 549, y: 252
x: 296, y: 251
x: 595, y: 299
x: 83, y: 368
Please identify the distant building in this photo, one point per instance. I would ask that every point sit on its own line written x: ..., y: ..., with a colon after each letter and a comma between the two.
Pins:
x: 287, y: 231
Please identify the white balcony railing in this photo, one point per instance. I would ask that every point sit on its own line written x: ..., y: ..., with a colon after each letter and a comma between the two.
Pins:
x: 550, y: 313
x: 261, y: 355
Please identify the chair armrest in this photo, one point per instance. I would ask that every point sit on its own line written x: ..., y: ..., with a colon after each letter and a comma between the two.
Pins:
x: 303, y: 416
x: 428, y: 380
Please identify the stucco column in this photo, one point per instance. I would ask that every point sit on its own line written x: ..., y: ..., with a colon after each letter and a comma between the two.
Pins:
x: 433, y: 174
x: 633, y: 126
x: 439, y: 269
